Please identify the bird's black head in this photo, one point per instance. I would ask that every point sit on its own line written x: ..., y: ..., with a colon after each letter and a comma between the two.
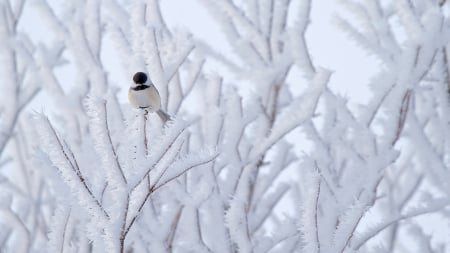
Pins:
x: 140, y: 78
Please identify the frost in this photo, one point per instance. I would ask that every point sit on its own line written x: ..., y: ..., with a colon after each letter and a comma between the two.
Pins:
x: 254, y: 159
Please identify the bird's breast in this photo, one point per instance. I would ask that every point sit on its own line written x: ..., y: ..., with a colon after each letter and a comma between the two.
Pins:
x: 145, y: 98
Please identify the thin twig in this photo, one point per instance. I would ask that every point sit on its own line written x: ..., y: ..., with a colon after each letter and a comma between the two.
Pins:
x: 414, y: 188
x: 161, y: 19
x: 274, y: 175
x: 190, y: 86
x: 199, y: 230
x: 76, y: 169
x: 402, y: 118
x: 447, y: 67
x: 269, y: 209
x: 158, y: 54
x: 285, y: 15
x: 21, y: 159
x: 358, y: 220
x: 155, y: 188
x: 64, y: 232
x: 18, y: 15
x: 9, y: 132
x: 103, y: 192
x: 167, y: 167
x: 7, y: 232
x: 173, y: 230
x: 378, y: 105
x: 316, y: 223
x: 28, y: 99
x: 184, y: 171
x: 124, y: 224
x: 108, y: 133
x: 269, y: 33
x: 412, y: 214
x: 145, y: 132
x: 281, y: 240
x: 159, y: 159
x: 180, y: 62
x: 272, y: 118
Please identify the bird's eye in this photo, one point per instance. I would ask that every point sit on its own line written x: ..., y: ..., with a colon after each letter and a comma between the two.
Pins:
x: 140, y: 78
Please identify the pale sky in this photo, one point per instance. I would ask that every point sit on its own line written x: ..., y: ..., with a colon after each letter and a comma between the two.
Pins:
x: 330, y: 48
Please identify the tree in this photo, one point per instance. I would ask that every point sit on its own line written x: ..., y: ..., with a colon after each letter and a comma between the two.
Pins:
x: 229, y: 172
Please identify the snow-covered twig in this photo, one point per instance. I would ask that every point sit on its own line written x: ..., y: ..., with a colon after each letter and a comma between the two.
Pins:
x: 431, y: 207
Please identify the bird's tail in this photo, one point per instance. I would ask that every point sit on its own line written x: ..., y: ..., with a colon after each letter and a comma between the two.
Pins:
x: 163, y: 115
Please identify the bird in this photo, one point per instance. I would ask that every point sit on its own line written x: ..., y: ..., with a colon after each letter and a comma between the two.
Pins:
x: 143, y: 94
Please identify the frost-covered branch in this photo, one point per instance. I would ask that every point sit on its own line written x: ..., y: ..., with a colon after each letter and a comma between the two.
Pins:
x: 17, y: 90
x: 261, y: 154
x: 64, y: 159
x: 431, y: 207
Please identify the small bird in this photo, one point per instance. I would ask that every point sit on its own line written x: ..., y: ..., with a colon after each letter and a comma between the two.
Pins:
x: 144, y: 95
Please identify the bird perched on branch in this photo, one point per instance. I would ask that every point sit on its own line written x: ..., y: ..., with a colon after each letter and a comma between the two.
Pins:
x: 144, y: 95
